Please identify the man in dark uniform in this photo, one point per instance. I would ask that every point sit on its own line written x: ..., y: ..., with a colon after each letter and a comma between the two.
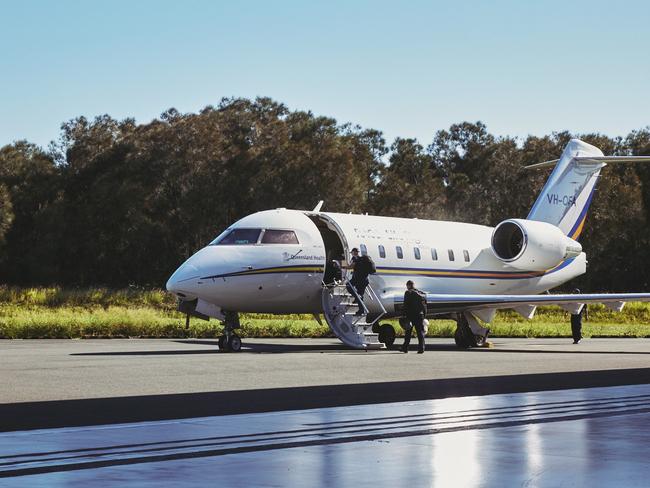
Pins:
x: 362, y: 266
x: 415, y: 310
x: 333, y: 272
x: 576, y: 322
x: 354, y: 258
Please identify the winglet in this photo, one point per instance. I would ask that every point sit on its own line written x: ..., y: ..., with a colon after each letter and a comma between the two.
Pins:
x: 318, y: 206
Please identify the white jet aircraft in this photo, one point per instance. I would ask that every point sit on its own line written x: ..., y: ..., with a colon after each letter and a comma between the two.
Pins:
x: 274, y: 261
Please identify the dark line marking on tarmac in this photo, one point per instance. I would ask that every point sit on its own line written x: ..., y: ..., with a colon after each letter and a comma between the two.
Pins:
x: 97, y: 411
x: 397, y: 421
x: 540, y: 406
x: 288, y: 445
x: 272, y: 436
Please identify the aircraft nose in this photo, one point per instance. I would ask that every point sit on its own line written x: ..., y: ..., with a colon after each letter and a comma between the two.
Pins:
x: 182, y: 281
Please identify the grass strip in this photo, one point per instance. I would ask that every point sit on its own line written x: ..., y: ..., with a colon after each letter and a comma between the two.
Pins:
x: 30, y: 313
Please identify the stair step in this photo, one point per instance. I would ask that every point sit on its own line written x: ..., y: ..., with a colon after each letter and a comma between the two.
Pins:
x: 341, y: 314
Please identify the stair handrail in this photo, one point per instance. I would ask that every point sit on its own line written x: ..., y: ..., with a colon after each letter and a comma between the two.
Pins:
x: 350, y: 287
x: 373, y: 296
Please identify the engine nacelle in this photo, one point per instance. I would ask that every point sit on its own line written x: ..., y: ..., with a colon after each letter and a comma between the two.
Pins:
x: 531, y: 245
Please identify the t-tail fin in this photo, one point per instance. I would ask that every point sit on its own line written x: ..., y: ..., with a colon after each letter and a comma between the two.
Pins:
x: 566, y: 196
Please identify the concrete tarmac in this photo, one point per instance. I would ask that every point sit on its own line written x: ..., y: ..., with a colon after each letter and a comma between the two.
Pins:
x: 56, y: 383
x: 528, y: 412
x: 581, y: 437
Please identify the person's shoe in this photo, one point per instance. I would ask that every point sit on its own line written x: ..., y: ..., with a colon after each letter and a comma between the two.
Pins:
x: 420, y: 351
x: 404, y: 349
x: 576, y: 341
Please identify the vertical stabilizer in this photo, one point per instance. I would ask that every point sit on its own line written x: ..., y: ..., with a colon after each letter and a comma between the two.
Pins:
x: 566, y: 197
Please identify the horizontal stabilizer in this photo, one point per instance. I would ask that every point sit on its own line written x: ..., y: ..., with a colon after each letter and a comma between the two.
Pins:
x: 564, y: 201
x: 593, y: 160
x: 545, y: 164
x: 613, y: 159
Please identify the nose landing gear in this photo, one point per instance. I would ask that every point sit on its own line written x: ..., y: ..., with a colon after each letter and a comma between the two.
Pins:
x: 229, y: 341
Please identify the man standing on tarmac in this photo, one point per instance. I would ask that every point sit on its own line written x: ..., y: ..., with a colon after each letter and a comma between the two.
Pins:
x: 576, y: 321
x: 415, y: 309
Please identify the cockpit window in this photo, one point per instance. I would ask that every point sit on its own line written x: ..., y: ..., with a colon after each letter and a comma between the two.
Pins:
x: 272, y: 236
x: 239, y: 237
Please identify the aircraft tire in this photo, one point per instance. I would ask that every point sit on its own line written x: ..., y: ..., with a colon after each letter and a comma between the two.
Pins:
x: 387, y: 334
x: 234, y: 343
x: 222, y: 343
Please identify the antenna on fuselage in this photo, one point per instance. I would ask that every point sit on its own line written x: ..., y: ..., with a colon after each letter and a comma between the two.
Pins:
x: 318, y: 206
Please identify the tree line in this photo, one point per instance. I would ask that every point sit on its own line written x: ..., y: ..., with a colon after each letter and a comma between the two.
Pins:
x: 116, y: 203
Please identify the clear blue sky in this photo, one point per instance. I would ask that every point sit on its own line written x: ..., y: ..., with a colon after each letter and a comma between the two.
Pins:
x: 406, y: 68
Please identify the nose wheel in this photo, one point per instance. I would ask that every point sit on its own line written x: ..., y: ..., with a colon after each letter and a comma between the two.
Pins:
x: 229, y: 341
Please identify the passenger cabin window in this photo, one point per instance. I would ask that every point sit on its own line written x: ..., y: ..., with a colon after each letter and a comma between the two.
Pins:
x: 416, y: 251
x: 466, y: 255
x: 272, y: 236
x: 400, y: 254
x: 239, y: 237
x: 434, y: 254
x: 364, y: 249
x: 451, y: 254
x: 382, y: 251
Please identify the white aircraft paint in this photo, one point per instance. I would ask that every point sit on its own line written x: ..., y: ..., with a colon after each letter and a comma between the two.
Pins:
x: 455, y: 263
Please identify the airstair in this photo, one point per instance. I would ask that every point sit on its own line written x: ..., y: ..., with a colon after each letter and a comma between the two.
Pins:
x: 340, y: 312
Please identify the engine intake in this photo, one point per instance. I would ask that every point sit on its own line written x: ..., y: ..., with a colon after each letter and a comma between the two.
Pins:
x: 531, y: 245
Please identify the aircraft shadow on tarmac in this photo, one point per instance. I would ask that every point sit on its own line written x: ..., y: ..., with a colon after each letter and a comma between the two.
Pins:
x: 560, y: 351
x: 257, y: 348
x: 274, y: 348
x: 260, y: 348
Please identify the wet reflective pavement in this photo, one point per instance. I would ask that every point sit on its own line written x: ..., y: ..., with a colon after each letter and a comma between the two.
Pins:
x: 579, y: 437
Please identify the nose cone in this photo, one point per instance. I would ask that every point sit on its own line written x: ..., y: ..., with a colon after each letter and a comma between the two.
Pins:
x: 183, y: 281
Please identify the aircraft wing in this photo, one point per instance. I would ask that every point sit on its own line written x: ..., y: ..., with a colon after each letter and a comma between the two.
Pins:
x: 484, y: 306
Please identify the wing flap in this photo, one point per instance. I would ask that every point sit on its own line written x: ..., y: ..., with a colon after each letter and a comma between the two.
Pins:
x: 485, y: 314
x: 572, y: 308
x: 615, y: 306
x: 526, y: 311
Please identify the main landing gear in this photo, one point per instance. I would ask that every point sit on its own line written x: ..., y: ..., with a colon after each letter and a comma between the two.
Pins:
x: 229, y: 341
x: 386, y: 334
x: 469, y: 334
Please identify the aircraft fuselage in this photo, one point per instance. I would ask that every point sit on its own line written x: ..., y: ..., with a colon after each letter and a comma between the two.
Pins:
x: 286, y: 277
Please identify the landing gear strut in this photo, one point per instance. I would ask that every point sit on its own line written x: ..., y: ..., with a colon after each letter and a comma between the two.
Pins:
x: 229, y: 341
x: 465, y: 337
